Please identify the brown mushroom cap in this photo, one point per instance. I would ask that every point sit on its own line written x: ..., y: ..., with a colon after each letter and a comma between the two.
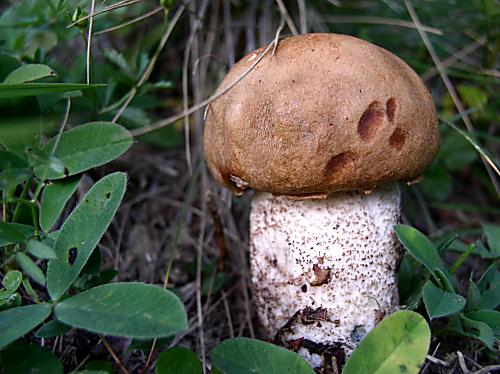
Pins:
x: 325, y: 113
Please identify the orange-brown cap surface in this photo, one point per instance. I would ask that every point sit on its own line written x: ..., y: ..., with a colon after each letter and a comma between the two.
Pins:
x: 325, y: 113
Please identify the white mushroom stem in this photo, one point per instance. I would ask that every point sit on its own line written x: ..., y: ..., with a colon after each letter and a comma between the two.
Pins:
x: 324, y: 271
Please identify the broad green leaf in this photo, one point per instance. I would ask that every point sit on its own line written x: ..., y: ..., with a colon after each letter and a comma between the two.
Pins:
x: 54, y: 198
x: 40, y: 249
x: 12, y: 233
x: 29, y: 73
x: 492, y: 233
x: 489, y: 287
x: 398, y: 344
x: 12, y: 91
x: 31, y: 268
x: 16, y: 322
x: 12, y: 280
x: 52, y: 328
x: 135, y: 310
x: 478, y: 330
x: 85, y: 147
x: 489, y: 278
x: 419, y: 246
x: 22, y: 358
x: 440, y: 303
x: 490, y: 317
x: 243, y: 355
x: 82, y: 231
x: 178, y: 361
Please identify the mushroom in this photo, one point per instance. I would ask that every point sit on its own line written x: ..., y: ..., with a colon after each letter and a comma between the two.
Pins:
x: 322, y: 130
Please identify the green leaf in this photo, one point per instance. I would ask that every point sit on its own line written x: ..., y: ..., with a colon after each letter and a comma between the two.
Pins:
x: 54, y: 198
x: 135, y: 310
x: 440, y: 303
x: 9, y: 300
x: 473, y: 296
x: 13, y: 170
x: 22, y: 358
x: 30, y: 268
x: 85, y: 147
x: 178, y: 361
x: 492, y: 233
x: 16, y: 322
x: 13, y: 233
x: 489, y: 287
x: 478, y: 330
x: 490, y: 317
x: 398, y: 344
x: 40, y: 250
x: 419, y: 246
x: 29, y: 73
x: 12, y: 91
x: 52, y: 328
x: 12, y: 280
x: 243, y: 355
x: 82, y: 231
x: 489, y: 278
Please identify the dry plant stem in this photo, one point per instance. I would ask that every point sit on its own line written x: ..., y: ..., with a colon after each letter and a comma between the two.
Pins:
x: 113, y: 354
x: 324, y: 270
x: 302, y: 15
x: 120, y: 4
x: 195, y: 25
x: 89, y: 39
x: 147, y: 72
x: 130, y: 22
x: 199, y: 310
x: 488, y: 369
x: 53, y: 150
x: 286, y: 16
x: 379, y: 21
x: 450, y: 61
x: 228, y: 33
x: 196, y: 107
x: 191, y: 322
x: 449, y: 86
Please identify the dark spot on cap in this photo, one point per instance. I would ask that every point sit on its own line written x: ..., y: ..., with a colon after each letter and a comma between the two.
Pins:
x: 370, y: 121
x: 108, y: 195
x: 338, y: 162
x: 397, y: 139
x: 390, y: 108
x: 403, y: 369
